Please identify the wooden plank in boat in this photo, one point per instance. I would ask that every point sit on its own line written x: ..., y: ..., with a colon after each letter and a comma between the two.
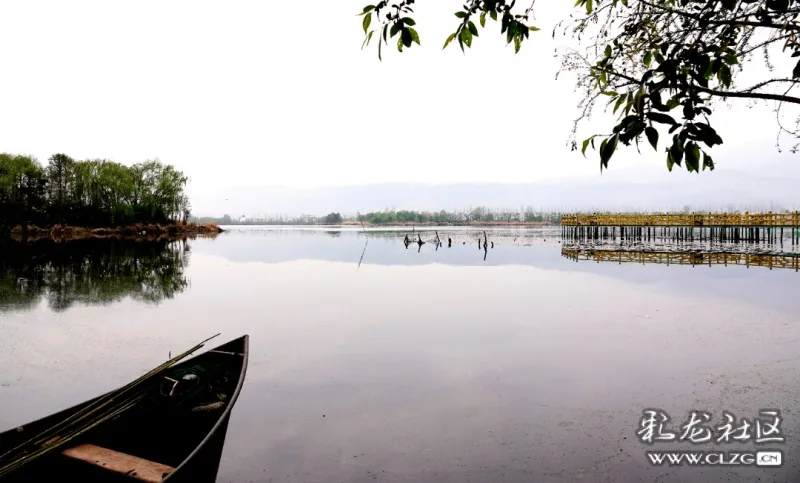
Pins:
x: 134, y: 467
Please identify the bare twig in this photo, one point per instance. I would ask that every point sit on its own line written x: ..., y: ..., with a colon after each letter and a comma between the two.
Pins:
x: 366, y: 240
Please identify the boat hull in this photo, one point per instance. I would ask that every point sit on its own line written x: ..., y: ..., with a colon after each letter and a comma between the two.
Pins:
x: 189, y: 441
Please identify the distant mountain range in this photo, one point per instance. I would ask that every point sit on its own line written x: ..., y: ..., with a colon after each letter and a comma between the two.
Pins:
x: 647, y: 187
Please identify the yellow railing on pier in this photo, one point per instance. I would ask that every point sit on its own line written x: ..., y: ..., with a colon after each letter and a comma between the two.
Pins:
x: 685, y: 219
x: 791, y: 261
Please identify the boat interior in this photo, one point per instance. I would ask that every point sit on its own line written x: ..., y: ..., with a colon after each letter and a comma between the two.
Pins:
x: 157, y: 426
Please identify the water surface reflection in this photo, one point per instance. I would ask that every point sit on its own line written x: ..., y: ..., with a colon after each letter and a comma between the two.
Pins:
x: 425, y: 366
x: 667, y: 257
x: 90, y: 272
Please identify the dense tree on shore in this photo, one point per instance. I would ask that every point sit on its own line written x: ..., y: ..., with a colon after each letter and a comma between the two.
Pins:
x: 661, y: 64
x: 90, y: 193
x: 476, y: 215
x: 333, y: 219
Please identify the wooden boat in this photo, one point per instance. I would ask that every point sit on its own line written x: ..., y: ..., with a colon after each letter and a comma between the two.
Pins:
x: 168, y: 426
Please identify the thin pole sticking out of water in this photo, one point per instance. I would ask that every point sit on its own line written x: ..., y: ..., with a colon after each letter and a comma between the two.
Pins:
x: 366, y: 240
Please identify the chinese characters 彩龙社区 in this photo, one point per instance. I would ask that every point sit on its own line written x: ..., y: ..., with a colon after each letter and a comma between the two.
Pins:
x: 698, y: 428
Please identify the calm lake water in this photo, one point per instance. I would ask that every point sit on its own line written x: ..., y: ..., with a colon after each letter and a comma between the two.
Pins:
x: 521, y: 363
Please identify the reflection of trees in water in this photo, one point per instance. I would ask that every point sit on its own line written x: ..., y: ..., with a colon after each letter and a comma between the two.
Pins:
x: 90, y: 272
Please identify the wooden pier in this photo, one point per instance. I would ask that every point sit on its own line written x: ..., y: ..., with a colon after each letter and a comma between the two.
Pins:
x: 725, y: 227
x: 790, y: 261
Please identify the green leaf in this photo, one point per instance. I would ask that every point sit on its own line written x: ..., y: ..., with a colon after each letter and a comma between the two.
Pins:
x: 625, y: 123
x: 725, y: 75
x: 708, y: 162
x: 400, y: 43
x: 585, y: 145
x: 648, y: 59
x: 676, y: 150
x: 406, y: 38
x: 608, y: 150
x: 472, y: 28
x: 661, y: 118
x: 517, y: 42
x: 608, y: 51
x: 796, y: 70
x: 652, y: 136
x: 493, y: 14
x: 461, y: 14
x: 638, y: 100
x: 578, y: 2
x: 483, y: 19
x: 395, y: 28
x: 628, y: 103
x: 692, y: 157
x: 369, y: 37
x: 602, y: 150
x: 610, y: 93
x: 707, y: 134
x: 708, y: 69
x: 449, y: 39
x: 366, y: 22
x: 531, y: 28
x: 409, y: 21
x: 620, y: 100
x: 466, y: 36
x: 603, y: 77
x: 670, y: 161
x: 672, y: 103
x: 368, y: 8
x: 588, y: 6
x: 414, y: 35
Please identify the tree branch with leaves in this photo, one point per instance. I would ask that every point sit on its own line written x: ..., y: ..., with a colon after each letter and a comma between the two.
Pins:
x: 397, y: 20
x: 660, y: 64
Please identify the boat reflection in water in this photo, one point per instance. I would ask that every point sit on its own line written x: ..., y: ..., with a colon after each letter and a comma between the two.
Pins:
x: 671, y: 257
x: 90, y: 272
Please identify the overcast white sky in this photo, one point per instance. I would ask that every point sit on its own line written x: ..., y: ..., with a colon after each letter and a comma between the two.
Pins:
x: 248, y: 93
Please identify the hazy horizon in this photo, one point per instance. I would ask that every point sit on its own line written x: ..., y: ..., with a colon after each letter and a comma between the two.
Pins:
x: 641, y: 187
